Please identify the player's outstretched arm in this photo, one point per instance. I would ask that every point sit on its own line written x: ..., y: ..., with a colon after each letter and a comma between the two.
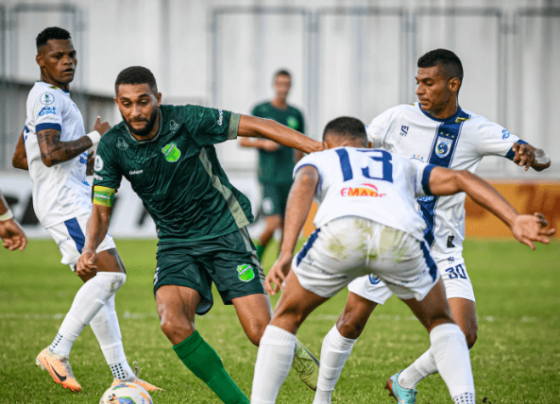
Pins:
x: 297, y: 210
x: 54, y: 151
x: 529, y: 156
x: 20, y: 156
x: 11, y: 233
x: 251, y: 126
x: 525, y: 228
x: 264, y: 144
x: 96, y: 230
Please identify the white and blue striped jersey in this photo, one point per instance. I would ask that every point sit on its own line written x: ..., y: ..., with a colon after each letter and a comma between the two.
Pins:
x: 60, y: 192
x: 458, y: 142
x: 373, y: 184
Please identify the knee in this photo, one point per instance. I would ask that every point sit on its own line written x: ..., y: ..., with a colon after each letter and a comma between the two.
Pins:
x: 350, y: 325
x: 176, y: 331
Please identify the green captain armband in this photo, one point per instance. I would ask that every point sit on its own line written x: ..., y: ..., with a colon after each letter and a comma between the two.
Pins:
x: 103, y: 196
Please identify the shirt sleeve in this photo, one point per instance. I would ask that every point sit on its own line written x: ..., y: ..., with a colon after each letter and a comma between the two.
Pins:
x: 312, y: 160
x: 47, y: 111
x: 421, y: 175
x: 379, y: 127
x: 495, y: 140
x: 209, y: 126
x: 302, y: 123
x: 107, y: 171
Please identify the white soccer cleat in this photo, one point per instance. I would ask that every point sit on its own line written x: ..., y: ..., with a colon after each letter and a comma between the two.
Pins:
x: 59, y: 368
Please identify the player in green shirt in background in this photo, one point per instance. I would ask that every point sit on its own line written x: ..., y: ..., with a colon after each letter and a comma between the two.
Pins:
x: 276, y: 162
x: 167, y: 154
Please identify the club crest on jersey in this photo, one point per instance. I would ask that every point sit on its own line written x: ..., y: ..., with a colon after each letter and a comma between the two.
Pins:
x: 47, y: 99
x: 98, y: 163
x: 245, y: 273
x: 362, y: 190
x: 443, y: 147
x: 171, y: 152
x: 292, y: 122
x: 121, y: 144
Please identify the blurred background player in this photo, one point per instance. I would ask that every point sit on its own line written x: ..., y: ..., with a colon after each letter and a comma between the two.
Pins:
x: 435, y: 130
x: 11, y: 233
x: 276, y: 162
x: 167, y: 153
x: 367, y: 222
x: 53, y: 147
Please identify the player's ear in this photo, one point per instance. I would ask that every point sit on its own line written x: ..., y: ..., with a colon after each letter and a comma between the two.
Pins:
x: 40, y: 60
x: 370, y: 145
x: 158, y: 97
x: 454, y: 84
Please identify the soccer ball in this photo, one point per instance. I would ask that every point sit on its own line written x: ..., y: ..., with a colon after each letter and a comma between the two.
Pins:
x: 126, y: 393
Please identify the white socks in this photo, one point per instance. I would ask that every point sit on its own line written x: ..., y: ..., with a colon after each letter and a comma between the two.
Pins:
x: 105, y: 325
x: 88, y: 301
x: 336, y: 349
x: 274, y: 360
x: 451, y: 354
x: 423, y: 367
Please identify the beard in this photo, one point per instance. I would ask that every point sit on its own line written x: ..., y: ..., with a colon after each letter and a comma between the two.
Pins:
x: 149, y: 124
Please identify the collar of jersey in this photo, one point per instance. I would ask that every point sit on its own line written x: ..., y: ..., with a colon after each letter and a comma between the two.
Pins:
x: 149, y: 140
x: 450, y: 119
x: 58, y: 88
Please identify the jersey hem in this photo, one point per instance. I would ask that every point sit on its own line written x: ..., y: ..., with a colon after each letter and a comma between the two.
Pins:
x: 174, y: 240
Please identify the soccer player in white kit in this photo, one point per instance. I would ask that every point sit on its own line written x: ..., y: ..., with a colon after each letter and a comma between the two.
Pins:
x: 435, y: 130
x: 53, y: 147
x: 367, y: 222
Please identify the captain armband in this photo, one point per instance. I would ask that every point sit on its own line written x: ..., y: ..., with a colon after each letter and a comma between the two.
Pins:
x: 103, y: 196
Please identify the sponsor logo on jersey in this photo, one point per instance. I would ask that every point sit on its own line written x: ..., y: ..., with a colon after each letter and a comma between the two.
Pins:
x: 443, y: 147
x: 53, y: 87
x: 426, y: 198
x: 292, y: 122
x: 404, y: 130
x: 135, y: 172
x: 171, y: 152
x: 98, y: 164
x: 461, y: 119
x: 47, y: 111
x: 173, y: 126
x: 221, y: 118
x: 83, y: 158
x: 363, y: 190
x: 450, y: 242
x: 417, y: 157
x: 121, y: 144
x: 245, y: 273
x: 47, y: 99
x: 64, y: 240
x: 97, y: 177
x: 505, y: 134
x: 451, y: 259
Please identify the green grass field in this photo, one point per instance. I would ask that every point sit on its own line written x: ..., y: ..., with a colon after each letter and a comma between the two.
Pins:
x: 516, y: 359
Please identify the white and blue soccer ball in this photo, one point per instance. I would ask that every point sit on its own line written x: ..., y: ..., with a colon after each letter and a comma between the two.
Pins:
x: 126, y: 393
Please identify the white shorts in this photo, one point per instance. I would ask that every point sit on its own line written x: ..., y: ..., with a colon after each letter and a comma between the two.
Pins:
x: 349, y: 247
x: 451, y: 269
x: 70, y: 238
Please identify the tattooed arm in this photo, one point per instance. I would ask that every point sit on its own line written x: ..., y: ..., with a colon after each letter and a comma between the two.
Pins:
x: 54, y: 152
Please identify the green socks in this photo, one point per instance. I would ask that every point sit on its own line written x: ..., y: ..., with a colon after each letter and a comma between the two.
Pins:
x: 260, y: 250
x: 204, y: 362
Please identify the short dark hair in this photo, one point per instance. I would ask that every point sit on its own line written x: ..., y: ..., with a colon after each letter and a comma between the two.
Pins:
x: 282, y: 72
x: 448, y: 61
x: 136, y: 75
x: 346, y: 126
x: 51, y: 33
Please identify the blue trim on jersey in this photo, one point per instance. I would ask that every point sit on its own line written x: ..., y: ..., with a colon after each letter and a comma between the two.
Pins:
x: 459, y: 114
x: 311, y: 165
x: 447, y: 136
x: 511, y: 154
x: 43, y: 126
x: 426, y: 179
x: 429, y: 261
x: 307, y: 246
x: 345, y: 164
x: 76, y: 233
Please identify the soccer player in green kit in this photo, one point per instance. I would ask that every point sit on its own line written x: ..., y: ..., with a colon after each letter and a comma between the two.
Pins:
x: 276, y: 161
x: 167, y: 154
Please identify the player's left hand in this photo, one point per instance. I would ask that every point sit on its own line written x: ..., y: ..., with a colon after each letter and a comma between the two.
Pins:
x: 275, y: 278
x: 524, y: 156
x: 86, y: 264
x: 90, y: 163
x: 529, y: 228
x: 12, y: 235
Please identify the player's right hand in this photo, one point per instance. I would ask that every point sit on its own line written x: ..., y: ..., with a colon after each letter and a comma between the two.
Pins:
x: 12, y: 235
x: 101, y: 127
x: 275, y: 278
x: 529, y: 228
x: 86, y: 264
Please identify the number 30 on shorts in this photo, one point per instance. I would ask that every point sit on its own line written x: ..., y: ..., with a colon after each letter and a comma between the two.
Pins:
x: 457, y: 272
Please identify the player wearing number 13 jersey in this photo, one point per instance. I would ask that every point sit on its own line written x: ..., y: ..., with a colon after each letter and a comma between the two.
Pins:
x: 437, y: 131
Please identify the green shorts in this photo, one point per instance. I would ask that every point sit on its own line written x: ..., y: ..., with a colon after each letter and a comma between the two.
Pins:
x: 229, y: 261
x: 274, y: 198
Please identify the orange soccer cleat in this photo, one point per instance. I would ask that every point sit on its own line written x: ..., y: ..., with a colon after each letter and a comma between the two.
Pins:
x: 59, y: 368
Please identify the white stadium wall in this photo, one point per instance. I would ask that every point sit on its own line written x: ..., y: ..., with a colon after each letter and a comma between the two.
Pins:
x: 347, y: 57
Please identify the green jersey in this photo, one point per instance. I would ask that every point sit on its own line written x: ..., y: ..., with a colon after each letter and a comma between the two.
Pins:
x: 177, y: 174
x: 276, y: 167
